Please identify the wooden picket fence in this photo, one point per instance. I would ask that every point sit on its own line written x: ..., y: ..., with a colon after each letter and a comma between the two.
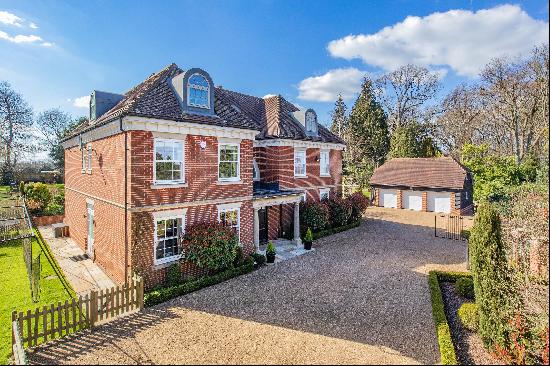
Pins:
x: 58, y: 320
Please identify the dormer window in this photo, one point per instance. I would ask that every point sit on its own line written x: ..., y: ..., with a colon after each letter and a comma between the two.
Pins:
x: 198, y: 92
x: 311, y: 123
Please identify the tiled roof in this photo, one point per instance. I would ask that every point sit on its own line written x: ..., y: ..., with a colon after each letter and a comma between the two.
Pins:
x: 155, y: 98
x: 442, y: 172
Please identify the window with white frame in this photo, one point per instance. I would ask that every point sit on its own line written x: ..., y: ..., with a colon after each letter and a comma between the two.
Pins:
x: 299, y: 163
x: 198, y: 91
x: 311, y: 122
x: 228, y: 162
x: 324, y: 194
x: 325, y: 162
x: 255, y: 171
x: 168, y: 165
x: 89, y: 155
x: 168, y: 231
x: 231, y: 217
x: 84, y: 156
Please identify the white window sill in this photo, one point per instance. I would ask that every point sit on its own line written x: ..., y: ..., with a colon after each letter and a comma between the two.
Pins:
x: 300, y: 176
x: 226, y: 182
x: 89, y: 172
x: 166, y: 262
x: 325, y: 175
x: 169, y: 185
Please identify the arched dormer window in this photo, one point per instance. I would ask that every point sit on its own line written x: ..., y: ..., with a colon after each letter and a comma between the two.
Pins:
x: 198, y: 92
x: 311, y: 123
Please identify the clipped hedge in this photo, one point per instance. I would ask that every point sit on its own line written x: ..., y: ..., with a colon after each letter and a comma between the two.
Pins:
x: 443, y: 331
x: 166, y: 293
x: 465, y: 287
x: 469, y: 316
x: 335, y: 230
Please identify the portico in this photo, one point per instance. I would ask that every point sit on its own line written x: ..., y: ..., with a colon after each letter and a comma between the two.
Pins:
x: 266, y: 196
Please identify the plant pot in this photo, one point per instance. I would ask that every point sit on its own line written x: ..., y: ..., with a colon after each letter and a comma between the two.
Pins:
x: 270, y: 257
x: 307, y: 245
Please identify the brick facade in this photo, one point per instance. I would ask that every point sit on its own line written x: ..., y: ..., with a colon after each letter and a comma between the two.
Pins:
x: 200, y: 195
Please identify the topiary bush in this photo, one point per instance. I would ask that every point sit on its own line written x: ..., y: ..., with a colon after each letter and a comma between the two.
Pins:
x: 258, y: 258
x: 495, y: 289
x: 359, y: 203
x: 465, y: 287
x: 211, y: 245
x: 339, y: 210
x: 173, y: 275
x: 469, y: 316
x: 314, y: 215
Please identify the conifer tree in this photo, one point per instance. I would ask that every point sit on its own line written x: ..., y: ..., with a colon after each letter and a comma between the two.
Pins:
x: 339, y: 118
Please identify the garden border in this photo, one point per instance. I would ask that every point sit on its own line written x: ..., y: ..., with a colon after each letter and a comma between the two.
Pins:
x: 163, y: 294
x: 336, y: 230
x: 442, y: 329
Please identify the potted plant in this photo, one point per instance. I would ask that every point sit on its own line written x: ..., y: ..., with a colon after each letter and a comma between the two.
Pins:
x: 270, y: 252
x: 308, y: 239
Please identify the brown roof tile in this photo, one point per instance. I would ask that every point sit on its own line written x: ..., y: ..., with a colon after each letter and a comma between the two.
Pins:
x: 442, y: 172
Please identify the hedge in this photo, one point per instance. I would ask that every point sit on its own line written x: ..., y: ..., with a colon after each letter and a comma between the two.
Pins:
x: 335, y: 230
x: 166, y: 293
x: 444, y: 340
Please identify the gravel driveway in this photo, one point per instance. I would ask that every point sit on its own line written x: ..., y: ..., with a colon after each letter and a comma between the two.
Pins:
x: 361, y: 297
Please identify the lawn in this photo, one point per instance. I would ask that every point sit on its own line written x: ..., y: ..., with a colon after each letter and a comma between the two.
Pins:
x: 15, y: 291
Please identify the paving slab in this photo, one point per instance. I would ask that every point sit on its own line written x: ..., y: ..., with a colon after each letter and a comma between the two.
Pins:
x: 83, y: 274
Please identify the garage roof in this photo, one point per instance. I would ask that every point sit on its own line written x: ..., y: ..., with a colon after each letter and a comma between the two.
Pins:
x: 444, y: 172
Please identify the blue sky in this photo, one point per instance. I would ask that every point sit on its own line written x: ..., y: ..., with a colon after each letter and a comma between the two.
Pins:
x: 54, y: 52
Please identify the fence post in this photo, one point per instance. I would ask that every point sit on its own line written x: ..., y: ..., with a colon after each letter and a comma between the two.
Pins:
x: 13, y: 318
x: 93, y: 308
x: 140, y: 293
x: 435, y: 225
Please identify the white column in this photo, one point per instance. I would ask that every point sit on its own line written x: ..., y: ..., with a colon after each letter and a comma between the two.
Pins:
x: 256, y: 229
x: 297, y: 239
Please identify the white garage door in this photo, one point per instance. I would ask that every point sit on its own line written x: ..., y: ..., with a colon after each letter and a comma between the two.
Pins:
x: 439, y: 202
x: 388, y: 198
x: 412, y: 200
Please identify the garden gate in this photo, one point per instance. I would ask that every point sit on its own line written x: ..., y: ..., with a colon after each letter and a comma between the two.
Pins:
x: 449, y: 227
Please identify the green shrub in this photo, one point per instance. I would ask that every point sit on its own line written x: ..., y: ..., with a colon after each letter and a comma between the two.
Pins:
x: 495, y: 289
x: 339, y: 211
x: 211, y: 245
x: 53, y: 209
x: 465, y: 287
x: 446, y: 346
x: 469, y: 316
x: 59, y: 198
x: 173, y: 275
x: 359, y: 203
x: 22, y: 188
x: 335, y: 230
x: 163, y: 294
x: 38, y: 196
x: 309, y: 235
x: 314, y: 215
x: 270, y: 249
x: 258, y: 258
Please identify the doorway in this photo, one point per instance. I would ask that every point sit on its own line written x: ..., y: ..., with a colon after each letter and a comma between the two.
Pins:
x: 262, y: 220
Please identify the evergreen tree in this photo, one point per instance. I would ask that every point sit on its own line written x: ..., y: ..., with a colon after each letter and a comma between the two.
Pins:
x: 339, y: 118
x: 367, y: 136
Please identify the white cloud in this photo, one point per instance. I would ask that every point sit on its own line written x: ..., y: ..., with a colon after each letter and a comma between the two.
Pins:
x: 10, y: 19
x: 326, y: 87
x: 20, y: 38
x: 463, y: 40
x: 47, y: 44
x: 82, y: 102
x: 33, y: 25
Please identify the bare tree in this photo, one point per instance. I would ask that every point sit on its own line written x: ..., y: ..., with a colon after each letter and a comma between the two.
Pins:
x: 15, y: 124
x: 516, y: 94
x: 460, y: 120
x: 405, y: 92
x: 52, y: 124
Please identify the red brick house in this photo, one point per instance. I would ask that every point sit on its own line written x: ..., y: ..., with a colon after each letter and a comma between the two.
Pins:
x: 423, y: 184
x: 176, y: 150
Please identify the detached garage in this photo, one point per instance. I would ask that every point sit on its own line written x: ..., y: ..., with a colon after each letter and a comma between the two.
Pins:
x: 423, y: 184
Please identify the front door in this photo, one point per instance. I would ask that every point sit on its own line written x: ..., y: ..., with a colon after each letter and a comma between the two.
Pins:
x: 90, y: 246
x: 262, y: 220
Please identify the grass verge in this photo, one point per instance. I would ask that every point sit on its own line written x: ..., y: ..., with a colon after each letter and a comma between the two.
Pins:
x: 16, y: 294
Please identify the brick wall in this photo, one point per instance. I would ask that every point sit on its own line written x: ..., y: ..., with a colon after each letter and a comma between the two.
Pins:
x: 142, y: 242
x: 399, y: 203
x: 201, y: 172
x: 276, y: 164
x: 105, y: 187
